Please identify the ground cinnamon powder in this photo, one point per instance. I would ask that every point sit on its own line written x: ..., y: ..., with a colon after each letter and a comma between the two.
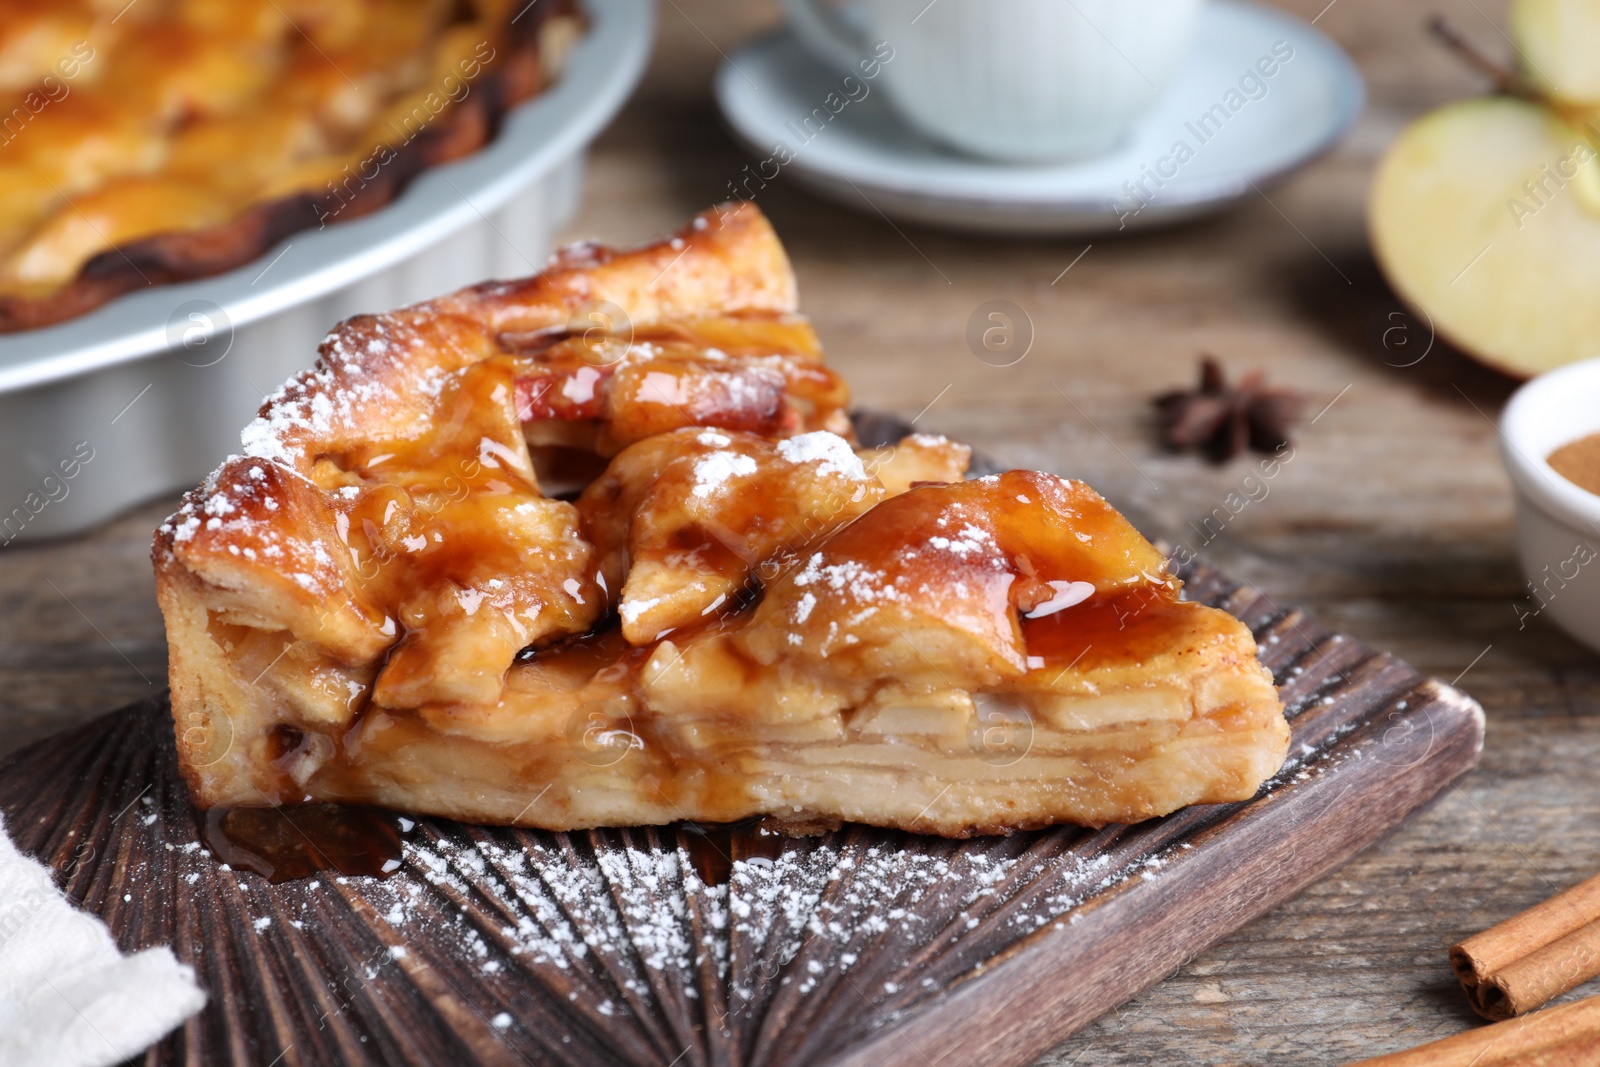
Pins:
x: 1579, y: 462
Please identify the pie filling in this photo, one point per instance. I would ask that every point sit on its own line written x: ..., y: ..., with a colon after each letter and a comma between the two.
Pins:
x: 484, y: 564
x: 168, y: 139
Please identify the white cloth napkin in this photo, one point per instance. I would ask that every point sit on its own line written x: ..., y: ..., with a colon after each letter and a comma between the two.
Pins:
x: 68, y: 998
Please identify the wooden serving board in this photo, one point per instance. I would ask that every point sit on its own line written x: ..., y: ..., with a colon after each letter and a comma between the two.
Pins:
x: 861, y: 947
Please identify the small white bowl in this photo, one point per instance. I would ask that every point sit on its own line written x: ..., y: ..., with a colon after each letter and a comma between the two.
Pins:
x: 1558, y: 524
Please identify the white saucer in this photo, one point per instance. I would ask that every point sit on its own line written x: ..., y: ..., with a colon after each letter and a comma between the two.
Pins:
x: 867, y: 158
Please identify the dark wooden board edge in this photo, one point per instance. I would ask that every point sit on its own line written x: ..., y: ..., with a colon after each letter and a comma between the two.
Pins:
x: 1221, y: 866
x: 1406, y: 747
x: 1049, y: 986
x: 1369, y: 733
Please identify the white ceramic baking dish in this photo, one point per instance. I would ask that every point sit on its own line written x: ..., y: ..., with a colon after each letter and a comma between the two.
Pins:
x: 147, y: 394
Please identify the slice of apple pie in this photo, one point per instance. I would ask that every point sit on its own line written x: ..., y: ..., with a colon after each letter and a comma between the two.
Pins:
x: 598, y: 547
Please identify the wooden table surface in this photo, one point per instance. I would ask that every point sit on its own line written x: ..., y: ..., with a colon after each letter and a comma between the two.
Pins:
x: 1392, y: 522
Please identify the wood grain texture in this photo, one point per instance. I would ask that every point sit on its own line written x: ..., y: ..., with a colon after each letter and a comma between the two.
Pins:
x: 860, y: 947
x: 1392, y: 523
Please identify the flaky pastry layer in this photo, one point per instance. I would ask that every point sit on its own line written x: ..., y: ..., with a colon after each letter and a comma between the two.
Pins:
x: 733, y: 610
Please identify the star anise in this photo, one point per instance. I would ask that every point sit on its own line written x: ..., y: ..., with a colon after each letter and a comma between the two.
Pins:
x: 1222, y: 420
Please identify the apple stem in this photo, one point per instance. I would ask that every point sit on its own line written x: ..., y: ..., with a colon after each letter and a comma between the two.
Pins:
x: 1506, y: 79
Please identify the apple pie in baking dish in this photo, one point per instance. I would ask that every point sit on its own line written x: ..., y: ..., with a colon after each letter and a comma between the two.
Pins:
x: 165, y: 140
x: 597, y: 547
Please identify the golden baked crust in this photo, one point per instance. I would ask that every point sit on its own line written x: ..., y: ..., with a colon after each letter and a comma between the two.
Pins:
x: 176, y: 139
x: 735, y: 611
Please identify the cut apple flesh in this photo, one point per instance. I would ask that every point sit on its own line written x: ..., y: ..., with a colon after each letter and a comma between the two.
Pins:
x: 1557, y: 41
x: 1481, y: 216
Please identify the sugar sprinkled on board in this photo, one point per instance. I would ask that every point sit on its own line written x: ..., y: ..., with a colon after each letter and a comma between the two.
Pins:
x: 634, y: 916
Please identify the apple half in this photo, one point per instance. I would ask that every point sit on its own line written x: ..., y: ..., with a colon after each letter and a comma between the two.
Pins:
x: 1485, y: 215
x: 1557, y: 43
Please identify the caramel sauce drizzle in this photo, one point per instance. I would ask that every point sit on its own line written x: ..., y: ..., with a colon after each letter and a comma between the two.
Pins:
x: 286, y: 843
x: 438, y: 493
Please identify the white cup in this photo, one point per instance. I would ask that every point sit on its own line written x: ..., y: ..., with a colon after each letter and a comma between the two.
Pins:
x: 1017, y: 80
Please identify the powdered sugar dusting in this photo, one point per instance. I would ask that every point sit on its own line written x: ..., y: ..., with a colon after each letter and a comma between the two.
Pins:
x: 230, y: 504
x: 802, y: 917
x: 803, y: 607
x: 623, y: 926
x: 325, y: 400
x: 861, y: 582
x: 714, y: 470
x: 631, y: 608
x: 830, y: 452
x: 970, y: 540
x: 363, y: 364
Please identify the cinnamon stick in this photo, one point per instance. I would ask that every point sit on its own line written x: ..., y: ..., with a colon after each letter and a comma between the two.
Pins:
x: 1577, y: 1052
x: 1567, y: 1036
x: 1532, y: 957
